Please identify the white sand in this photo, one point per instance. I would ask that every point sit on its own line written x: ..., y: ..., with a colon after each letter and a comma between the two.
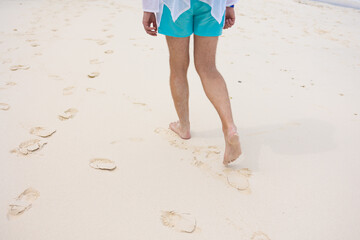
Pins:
x: 297, y: 108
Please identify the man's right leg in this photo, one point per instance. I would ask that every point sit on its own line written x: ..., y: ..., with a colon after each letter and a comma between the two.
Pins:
x: 216, y: 90
x: 179, y: 63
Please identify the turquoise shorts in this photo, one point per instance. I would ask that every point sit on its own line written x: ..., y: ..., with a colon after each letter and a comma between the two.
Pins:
x: 197, y: 20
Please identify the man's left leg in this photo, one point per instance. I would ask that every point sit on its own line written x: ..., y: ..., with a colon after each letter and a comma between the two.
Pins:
x: 179, y: 62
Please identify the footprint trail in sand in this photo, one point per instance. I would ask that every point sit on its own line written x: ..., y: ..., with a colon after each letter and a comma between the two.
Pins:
x: 207, y: 158
x: 181, y: 222
x: 22, y: 203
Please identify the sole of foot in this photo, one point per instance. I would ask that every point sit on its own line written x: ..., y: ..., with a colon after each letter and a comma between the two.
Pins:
x: 232, y: 149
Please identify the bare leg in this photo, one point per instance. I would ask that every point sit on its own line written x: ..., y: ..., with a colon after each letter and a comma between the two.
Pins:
x: 179, y: 63
x: 216, y: 90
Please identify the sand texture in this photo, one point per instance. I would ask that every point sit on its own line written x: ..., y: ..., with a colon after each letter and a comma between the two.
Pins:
x: 85, y: 104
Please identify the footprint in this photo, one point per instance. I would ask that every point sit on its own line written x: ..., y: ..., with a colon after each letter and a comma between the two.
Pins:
x: 95, y: 90
x: 68, y: 90
x: 42, y: 132
x: 102, y: 163
x: 133, y: 101
x: 93, y: 75
x: 173, y: 139
x: 207, y: 159
x: 35, y: 45
x: 212, y: 153
x: 29, y: 146
x: 115, y: 141
x: 56, y: 77
x: 10, y: 83
x: 238, y: 179
x: 255, y: 236
x: 259, y: 236
x: 70, y: 113
x: 6, y: 85
x: 182, y: 222
x: 4, y: 106
x: 101, y: 42
x: 18, y: 67
x: 136, y: 139
x: 23, y: 202
x: 95, y: 61
x: 98, y: 41
x: 139, y: 103
x: 110, y: 36
x: 109, y: 51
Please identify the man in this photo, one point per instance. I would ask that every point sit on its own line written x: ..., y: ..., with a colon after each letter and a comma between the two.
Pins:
x: 178, y: 20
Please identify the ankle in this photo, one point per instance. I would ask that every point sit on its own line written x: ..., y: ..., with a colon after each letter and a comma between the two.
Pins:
x: 229, y: 131
x: 185, y: 125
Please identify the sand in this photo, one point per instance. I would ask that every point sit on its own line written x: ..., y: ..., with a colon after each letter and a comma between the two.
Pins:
x: 80, y: 80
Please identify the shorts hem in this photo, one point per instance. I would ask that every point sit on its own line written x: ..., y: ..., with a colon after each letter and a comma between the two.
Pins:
x: 208, y: 35
x: 175, y: 35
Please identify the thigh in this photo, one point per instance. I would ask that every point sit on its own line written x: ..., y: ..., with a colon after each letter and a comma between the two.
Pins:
x: 182, y: 27
x: 205, y: 51
x: 204, y: 23
x: 179, y: 51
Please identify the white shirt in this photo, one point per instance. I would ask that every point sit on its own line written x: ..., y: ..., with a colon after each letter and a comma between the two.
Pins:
x: 177, y: 7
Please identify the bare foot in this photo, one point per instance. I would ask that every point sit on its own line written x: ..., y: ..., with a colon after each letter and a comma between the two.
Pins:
x: 183, y: 132
x: 232, y: 147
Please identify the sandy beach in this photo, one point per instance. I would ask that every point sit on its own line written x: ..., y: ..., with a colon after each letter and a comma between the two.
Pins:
x: 85, y: 104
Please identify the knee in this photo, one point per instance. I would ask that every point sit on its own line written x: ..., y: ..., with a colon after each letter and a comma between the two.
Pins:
x: 179, y: 67
x: 205, y: 69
